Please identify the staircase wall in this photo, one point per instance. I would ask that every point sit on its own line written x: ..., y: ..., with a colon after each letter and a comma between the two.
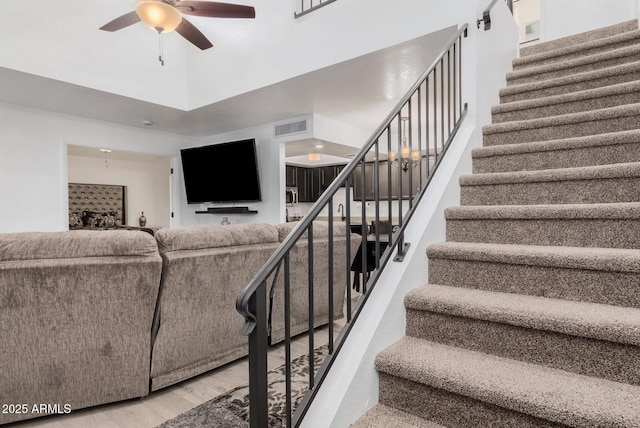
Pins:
x: 352, y: 384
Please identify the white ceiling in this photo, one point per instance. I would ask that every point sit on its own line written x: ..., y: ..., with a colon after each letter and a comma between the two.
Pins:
x: 359, y: 91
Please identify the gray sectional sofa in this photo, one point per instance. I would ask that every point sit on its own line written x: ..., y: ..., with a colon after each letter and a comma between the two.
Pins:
x: 299, y: 275
x: 197, y: 327
x: 76, y: 310
x: 92, y: 317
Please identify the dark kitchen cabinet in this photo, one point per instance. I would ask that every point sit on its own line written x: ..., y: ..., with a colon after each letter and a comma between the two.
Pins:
x: 338, y: 170
x: 291, y: 176
x: 326, y: 175
x: 303, y: 184
x: 312, y: 182
x: 361, y: 183
x: 387, y: 189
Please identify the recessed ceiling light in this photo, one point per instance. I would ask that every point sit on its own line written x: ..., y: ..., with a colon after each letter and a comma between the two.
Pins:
x: 147, y: 122
x: 319, y: 146
x: 105, y: 150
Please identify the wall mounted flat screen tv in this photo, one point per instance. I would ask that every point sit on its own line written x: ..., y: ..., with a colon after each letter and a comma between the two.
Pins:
x: 226, y: 172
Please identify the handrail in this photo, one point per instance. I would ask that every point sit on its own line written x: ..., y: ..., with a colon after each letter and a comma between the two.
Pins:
x: 486, y: 14
x: 242, y: 303
x: 306, y: 10
x: 434, y: 100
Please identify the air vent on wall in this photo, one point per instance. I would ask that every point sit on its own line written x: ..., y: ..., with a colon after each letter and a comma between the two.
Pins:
x: 291, y: 128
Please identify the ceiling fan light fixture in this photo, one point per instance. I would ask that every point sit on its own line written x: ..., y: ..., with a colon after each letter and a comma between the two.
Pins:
x: 158, y: 15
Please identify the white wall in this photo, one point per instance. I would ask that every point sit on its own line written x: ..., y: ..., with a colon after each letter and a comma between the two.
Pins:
x: 277, y: 46
x: 147, y: 184
x: 527, y: 12
x: 33, y: 161
x: 561, y: 18
x: 33, y: 168
x: 270, y: 155
x: 36, y: 38
x: 62, y: 42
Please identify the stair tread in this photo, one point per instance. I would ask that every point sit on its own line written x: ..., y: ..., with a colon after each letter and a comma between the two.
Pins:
x: 381, y: 416
x: 564, y: 119
x: 596, y: 172
x: 569, y: 50
x: 589, y: 258
x: 622, y: 27
x: 544, y: 392
x: 610, y: 211
x: 583, y: 319
x: 608, y: 139
x: 627, y: 51
x: 587, y: 94
x: 573, y: 78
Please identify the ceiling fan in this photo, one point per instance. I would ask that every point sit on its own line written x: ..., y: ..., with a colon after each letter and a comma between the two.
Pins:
x: 167, y: 15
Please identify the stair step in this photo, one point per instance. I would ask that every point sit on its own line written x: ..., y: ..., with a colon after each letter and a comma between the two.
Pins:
x: 574, y: 102
x: 486, y: 390
x: 597, y: 275
x: 583, y: 185
x: 571, y: 83
x: 591, y: 150
x: 597, y: 61
x: 580, y: 50
x: 577, y: 225
x: 606, y: 120
x: 585, y: 338
x: 576, y: 39
x: 381, y: 416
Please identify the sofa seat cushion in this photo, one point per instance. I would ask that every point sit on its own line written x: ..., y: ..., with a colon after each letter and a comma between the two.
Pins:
x: 215, y: 236
x: 320, y: 229
x: 75, y: 244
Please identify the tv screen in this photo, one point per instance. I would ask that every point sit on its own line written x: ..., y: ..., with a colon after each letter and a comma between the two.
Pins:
x: 226, y: 172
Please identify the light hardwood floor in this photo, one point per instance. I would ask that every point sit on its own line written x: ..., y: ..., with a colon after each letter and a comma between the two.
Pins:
x: 162, y: 405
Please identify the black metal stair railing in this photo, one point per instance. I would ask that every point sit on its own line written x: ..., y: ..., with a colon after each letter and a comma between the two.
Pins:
x: 389, y: 176
x: 308, y: 6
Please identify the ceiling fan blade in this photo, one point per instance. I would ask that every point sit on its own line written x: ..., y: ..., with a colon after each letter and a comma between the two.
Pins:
x: 215, y: 9
x: 121, y: 22
x: 192, y: 34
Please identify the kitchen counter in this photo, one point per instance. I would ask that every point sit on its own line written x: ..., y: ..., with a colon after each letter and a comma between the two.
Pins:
x: 358, y: 219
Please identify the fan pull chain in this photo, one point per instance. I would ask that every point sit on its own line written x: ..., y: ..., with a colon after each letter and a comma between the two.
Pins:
x: 161, y: 54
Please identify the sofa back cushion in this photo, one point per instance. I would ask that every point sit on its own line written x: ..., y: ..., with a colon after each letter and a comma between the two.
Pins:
x: 320, y: 229
x: 214, y: 236
x: 75, y: 244
x: 299, y: 278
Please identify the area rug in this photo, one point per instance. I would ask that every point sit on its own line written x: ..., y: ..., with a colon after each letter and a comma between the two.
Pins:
x: 231, y: 409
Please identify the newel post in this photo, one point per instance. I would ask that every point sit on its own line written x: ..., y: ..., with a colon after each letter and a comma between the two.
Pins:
x: 258, y: 400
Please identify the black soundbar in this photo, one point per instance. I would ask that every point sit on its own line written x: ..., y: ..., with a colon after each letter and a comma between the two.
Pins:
x: 228, y: 210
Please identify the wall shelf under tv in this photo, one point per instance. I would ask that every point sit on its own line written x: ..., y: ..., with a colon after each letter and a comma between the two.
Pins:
x: 228, y: 210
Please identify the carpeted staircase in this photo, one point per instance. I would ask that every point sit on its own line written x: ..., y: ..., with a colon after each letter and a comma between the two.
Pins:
x: 531, y: 317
